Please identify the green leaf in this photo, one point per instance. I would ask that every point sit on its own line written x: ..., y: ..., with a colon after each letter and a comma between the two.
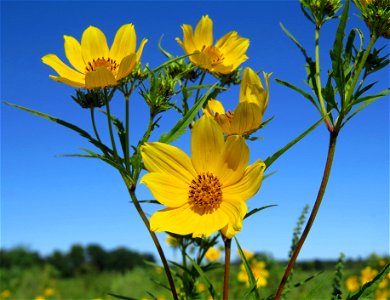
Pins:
x: 121, y: 297
x: 307, y: 57
x: 366, y: 101
x: 71, y: 126
x: 167, y: 54
x: 299, y: 90
x: 252, y: 280
x: 183, y: 123
x: 271, y: 159
x: 369, y: 288
x: 214, y: 294
x: 256, y: 210
x: 119, y: 128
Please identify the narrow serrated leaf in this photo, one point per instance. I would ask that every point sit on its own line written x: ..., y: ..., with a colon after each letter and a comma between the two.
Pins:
x: 255, y: 210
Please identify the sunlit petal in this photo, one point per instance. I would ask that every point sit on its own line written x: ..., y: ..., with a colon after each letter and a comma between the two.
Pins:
x: 124, y: 42
x: 248, y: 186
x: 62, y: 69
x: 247, y: 117
x: 93, y: 44
x: 167, y: 189
x: 164, y: 158
x: 203, y: 35
x: 126, y: 66
x: 207, y: 143
x: 99, y: 78
x: 140, y: 49
x: 73, y: 53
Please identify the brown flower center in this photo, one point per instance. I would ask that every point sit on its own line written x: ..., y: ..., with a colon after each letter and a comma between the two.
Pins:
x: 205, y: 193
x: 109, y: 63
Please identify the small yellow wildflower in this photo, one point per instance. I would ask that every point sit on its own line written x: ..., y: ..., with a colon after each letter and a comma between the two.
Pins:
x: 206, y: 193
x: 95, y: 65
x: 352, y: 283
x: 368, y: 274
x: 259, y: 271
x: 382, y: 295
x: 200, y: 287
x: 213, y: 254
x: 48, y: 292
x: 248, y: 254
x: 5, y: 294
x: 383, y: 283
x: 224, y: 57
x: 248, y: 114
x: 39, y: 298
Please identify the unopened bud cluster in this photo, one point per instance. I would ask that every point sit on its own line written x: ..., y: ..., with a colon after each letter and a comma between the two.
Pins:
x: 319, y: 11
x: 376, y: 14
x: 89, y: 98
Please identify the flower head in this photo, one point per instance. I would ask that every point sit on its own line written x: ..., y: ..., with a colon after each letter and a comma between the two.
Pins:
x: 95, y: 65
x: 368, y: 274
x: 376, y: 14
x: 248, y: 115
x: 223, y: 57
x: 213, y: 254
x: 207, y: 192
x: 259, y: 271
x: 352, y: 283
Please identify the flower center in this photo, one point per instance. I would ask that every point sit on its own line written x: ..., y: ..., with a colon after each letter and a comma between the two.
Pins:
x: 214, y: 55
x: 108, y: 63
x: 205, y: 193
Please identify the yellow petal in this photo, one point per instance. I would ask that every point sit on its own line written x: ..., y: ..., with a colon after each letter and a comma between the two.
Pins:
x: 213, y: 107
x: 250, y: 87
x: 167, y: 189
x: 140, y: 49
x: 207, y: 143
x: 67, y: 81
x: 62, y: 69
x: 247, y: 117
x: 224, y: 122
x: 73, y: 53
x: 183, y: 221
x: 203, y: 36
x: 235, y: 159
x: 99, y: 78
x: 188, y: 39
x: 126, y: 66
x: 164, y: 158
x: 124, y: 43
x: 249, y: 184
x: 93, y: 44
x: 236, y: 211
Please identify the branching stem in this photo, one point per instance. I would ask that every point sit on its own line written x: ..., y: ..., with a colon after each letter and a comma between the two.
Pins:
x: 316, y: 207
x: 226, y: 275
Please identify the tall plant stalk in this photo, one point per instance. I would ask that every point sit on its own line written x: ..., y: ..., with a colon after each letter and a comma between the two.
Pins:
x: 316, y: 207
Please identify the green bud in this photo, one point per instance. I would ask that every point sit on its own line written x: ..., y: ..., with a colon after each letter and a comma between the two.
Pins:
x: 319, y: 11
x: 89, y: 98
x: 376, y: 14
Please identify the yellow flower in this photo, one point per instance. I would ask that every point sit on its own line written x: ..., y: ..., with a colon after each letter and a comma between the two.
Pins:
x: 206, y: 193
x: 5, y: 294
x: 368, y: 274
x: 213, y: 254
x: 200, y: 287
x: 260, y: 273
x: 248, y: 254
x: 48, y: 292
x: 39, y: 298
x: 95, y: 65
x: 352, y: 283
x: 248, y: 115
x: 224, y: 57
x: 382, y: 295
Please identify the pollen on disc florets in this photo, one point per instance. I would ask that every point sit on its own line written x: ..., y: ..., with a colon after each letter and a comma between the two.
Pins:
x: 109, y: 64
x: 205, y: 193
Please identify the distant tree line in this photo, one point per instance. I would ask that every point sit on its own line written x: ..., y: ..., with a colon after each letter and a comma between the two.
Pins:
x: 78, y: 260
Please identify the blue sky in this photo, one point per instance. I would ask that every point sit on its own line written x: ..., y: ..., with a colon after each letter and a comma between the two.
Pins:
x: 49, y: 202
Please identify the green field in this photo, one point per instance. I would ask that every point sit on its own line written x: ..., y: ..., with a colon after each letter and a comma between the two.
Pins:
x: 45, y: 282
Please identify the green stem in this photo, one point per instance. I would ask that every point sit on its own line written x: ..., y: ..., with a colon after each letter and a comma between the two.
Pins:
x: 127, y: 133
x: 316, y: 207
x: 318, y: 79
x: 107, y: 100
x: 200, y: 83
x: 156, y: 242
x: 226, y: 274
x: 94, y: 124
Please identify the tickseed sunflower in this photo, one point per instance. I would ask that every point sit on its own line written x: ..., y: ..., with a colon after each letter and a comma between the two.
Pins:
x: 95, y: 65
x: 248, y: 115
x: 224, y: 57
x: 207, y: 192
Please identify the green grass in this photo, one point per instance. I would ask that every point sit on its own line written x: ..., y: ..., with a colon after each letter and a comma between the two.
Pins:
x: 28, y: 284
